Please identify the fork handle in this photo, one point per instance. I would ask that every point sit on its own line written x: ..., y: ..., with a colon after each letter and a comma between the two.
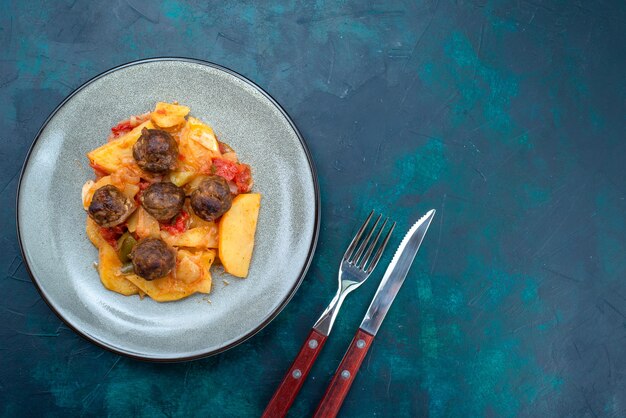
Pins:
x: 295, y: 376
x: 344, y: 376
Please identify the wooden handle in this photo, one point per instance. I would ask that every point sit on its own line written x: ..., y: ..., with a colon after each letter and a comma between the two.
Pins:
x: 297, y: 373
x: 344, y: 376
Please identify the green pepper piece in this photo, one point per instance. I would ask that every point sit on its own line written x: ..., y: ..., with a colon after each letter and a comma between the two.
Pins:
x: 125, y: 245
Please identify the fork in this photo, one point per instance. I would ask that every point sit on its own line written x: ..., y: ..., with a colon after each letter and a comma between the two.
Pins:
x: 357, y: 264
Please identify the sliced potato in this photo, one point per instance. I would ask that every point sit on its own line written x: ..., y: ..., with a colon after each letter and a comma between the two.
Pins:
x: 165, y: 289
x: 147, y: 225
x: 202, y: 134
x: 109, y: 268
x: 114, y: 155
x: 236, y: 234
x: 130, y: 190
x: 181, y: 284
x: 205, y: 261
x: 109, y: 263
x: 187, y: 270
x: 131, y: 222
x: 167, y: 115
x: 93, y: 232
x: 180, y: 178
x: 202, y: 237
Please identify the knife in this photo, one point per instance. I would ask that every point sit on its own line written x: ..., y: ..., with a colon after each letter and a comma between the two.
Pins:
x: 386, y: 293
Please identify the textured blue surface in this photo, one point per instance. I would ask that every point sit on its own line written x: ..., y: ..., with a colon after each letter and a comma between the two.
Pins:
x: 508, y: 117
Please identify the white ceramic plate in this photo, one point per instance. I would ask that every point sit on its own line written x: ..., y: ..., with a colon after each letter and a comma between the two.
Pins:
x: 51, y: 218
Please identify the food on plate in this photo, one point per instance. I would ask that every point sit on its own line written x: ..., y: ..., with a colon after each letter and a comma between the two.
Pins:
x: 152, y: 259
x: 109, y: 207
x: 212, y: 198
x: 236, y: 234
x: 168, y: 115
x: 155, y: 151
x: 168, y: 197
x: 163, y: 200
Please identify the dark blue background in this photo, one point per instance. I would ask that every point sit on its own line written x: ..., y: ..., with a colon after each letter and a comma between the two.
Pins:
x: 506, y: 116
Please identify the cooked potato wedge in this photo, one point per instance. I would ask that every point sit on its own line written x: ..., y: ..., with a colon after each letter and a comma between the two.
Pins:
x: 236, y: 233
x: 109, y: 266
x: 167, y: 115
x: 109, y: 263
x: 180, y: 178
x: 114, y: 155
x: 180, y: 284
x: 93, y: 233
x: 202, y: 237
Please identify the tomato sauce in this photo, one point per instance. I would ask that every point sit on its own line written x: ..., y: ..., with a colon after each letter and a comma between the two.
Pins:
x: 112, y: 234
x: 121, y: 128
x: 178, y: 226
x: 235, y: 172
x: 225, y: 168
x: 243, y: 179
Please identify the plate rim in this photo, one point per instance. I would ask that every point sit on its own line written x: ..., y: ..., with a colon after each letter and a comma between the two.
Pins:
x: 316, y: 227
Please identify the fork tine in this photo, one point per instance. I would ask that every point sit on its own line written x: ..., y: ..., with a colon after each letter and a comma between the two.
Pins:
x: 371, y: 246
x: 357, y: 237
x: 380, y: 250
x: 361, y: 248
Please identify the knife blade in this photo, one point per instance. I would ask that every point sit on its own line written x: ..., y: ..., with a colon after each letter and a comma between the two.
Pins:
x: 395, y: 274
x: 389, y: 286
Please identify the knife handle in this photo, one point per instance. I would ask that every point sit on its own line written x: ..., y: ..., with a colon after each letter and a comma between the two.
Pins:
x: 295, y: 376
x: 344, y: 376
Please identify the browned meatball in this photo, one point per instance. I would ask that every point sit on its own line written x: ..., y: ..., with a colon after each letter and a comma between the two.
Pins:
x: 212, y: 198
x: 152, y: 259
x: 109, y: 207
x: 163, y: 200
x: 155, y: 151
